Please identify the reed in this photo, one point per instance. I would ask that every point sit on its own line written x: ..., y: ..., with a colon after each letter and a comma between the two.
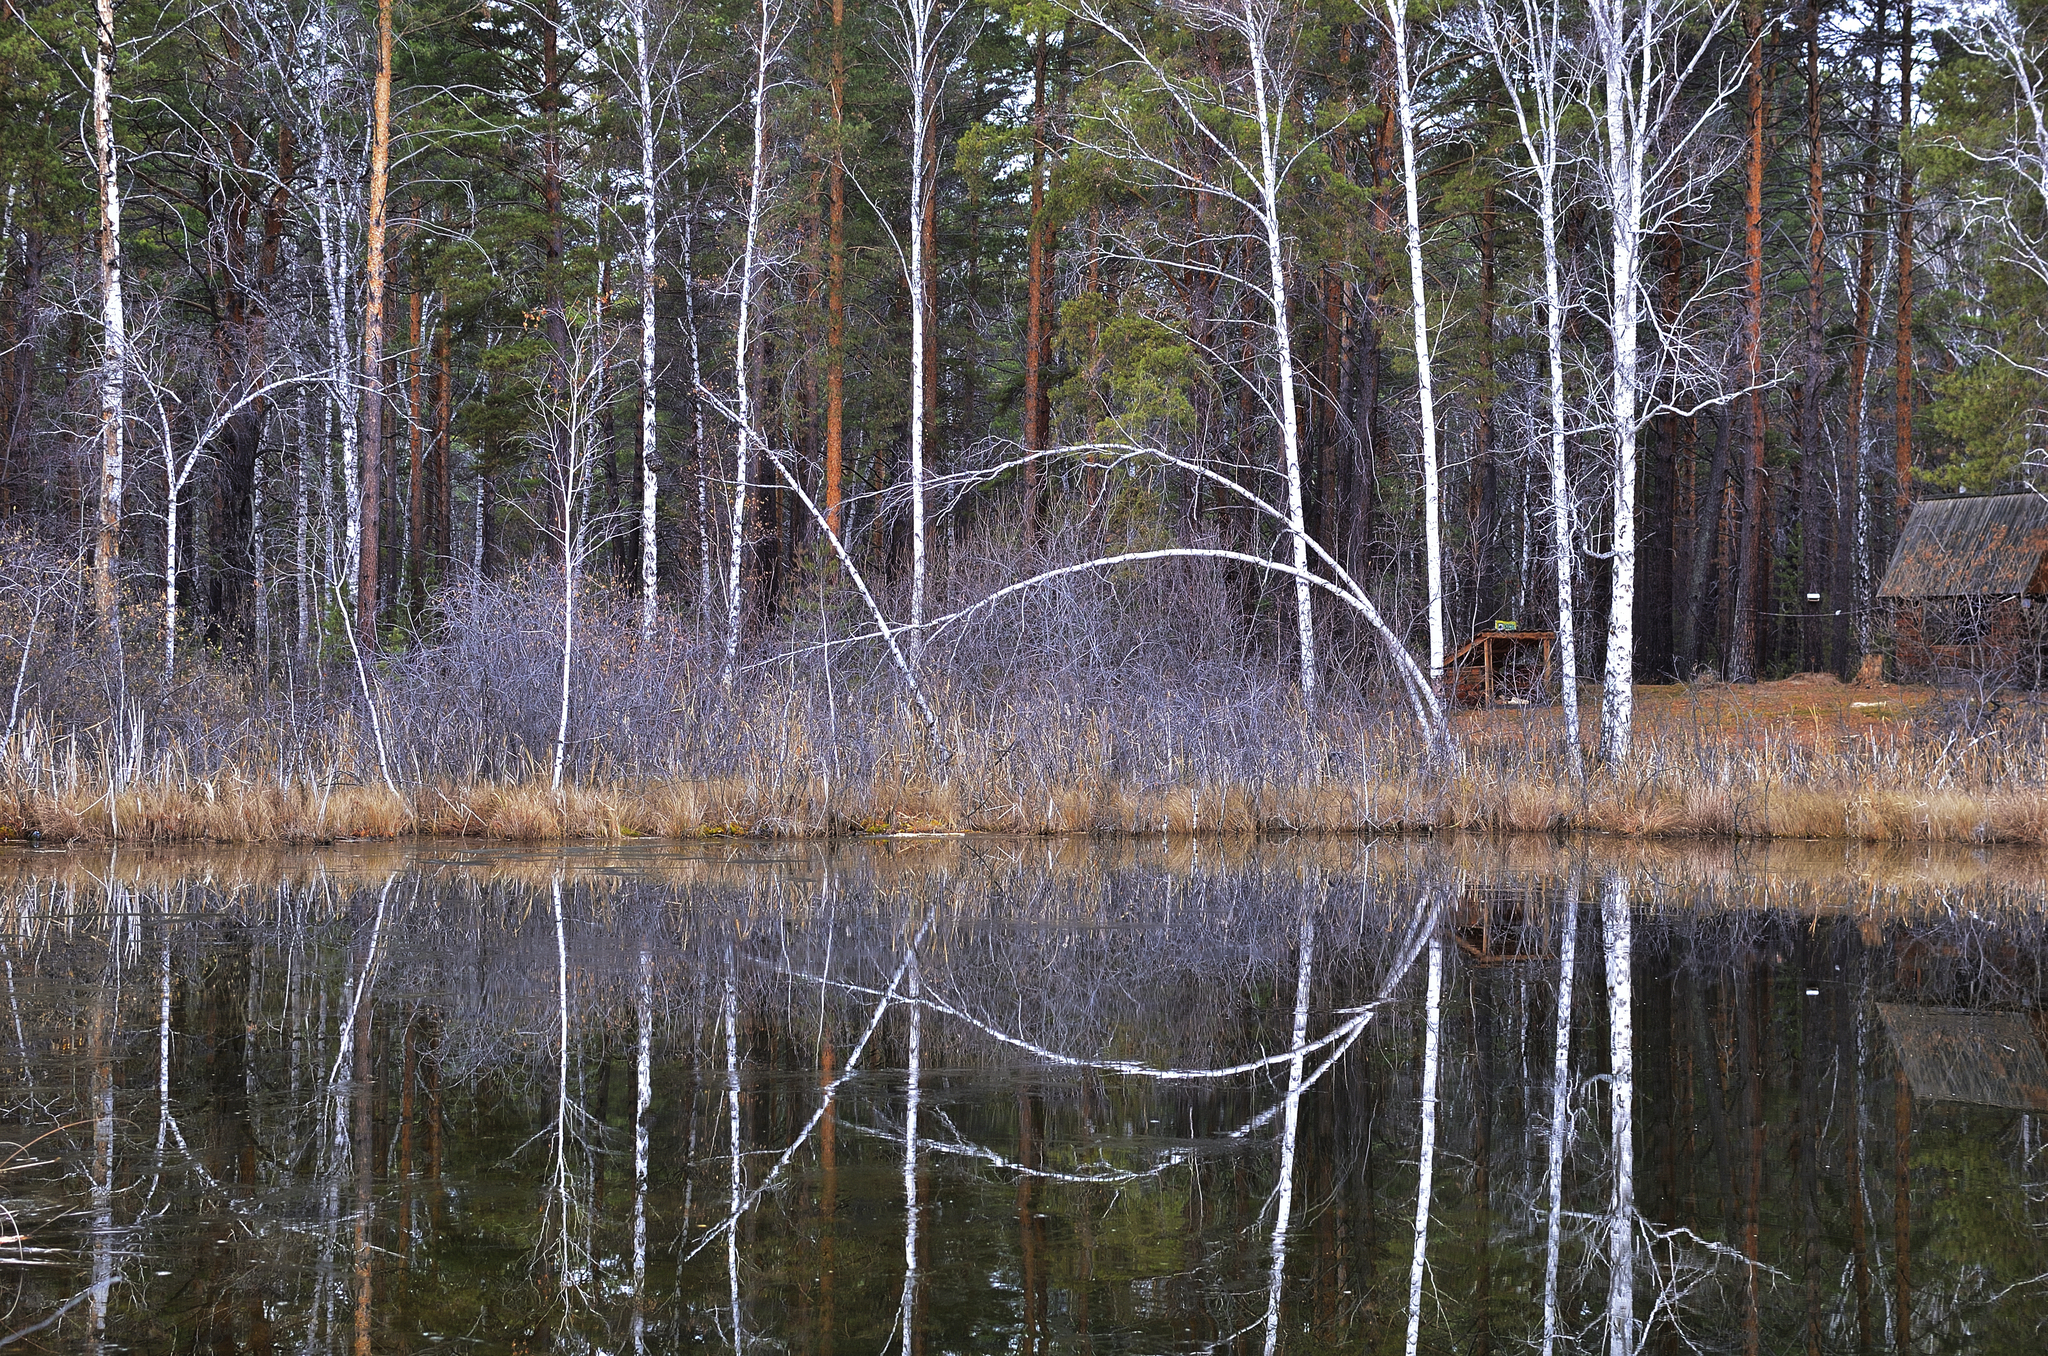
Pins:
x: 1908, y: 787
x: 1137, y: 715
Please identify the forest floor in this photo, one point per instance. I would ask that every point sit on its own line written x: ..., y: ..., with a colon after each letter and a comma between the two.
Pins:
x: 1808, y: 708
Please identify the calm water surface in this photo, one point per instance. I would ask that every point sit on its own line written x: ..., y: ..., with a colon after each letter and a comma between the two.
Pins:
x: 985, y: 1095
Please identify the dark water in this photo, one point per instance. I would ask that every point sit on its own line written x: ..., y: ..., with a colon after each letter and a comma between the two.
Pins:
x: 391, y: 1101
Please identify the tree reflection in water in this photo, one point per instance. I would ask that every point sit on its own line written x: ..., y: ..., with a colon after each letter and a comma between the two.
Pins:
x: 1121, y: 1099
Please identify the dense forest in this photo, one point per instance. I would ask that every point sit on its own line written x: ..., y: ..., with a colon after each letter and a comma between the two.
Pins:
x: 1643, y: 321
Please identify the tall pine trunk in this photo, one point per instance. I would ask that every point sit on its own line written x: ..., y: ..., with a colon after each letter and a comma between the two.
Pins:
x: 1902, y: 409
x: 1751, y: 570
x: 372, y: 423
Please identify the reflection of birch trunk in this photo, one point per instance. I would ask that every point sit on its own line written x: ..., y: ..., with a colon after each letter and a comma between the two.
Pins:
x: 1859, y: 1216
x: 1617, y: 947
x: 363, y: 1088
x: 643, y: 1098
x: 912, y: 1097
x: 352, y: 1048
x: 1283, y: 1210
x: 163, y: 1048
x: 732, y: 1111
x: 559, y: 1192
x: 1902, y: 1216
x: 1432, y: 1034
x: 828, y: 1203
x: 1560, y: 1110
x: 105, y: 1015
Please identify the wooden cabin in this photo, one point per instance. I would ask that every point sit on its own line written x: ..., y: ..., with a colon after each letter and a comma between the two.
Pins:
x: 1968, y: 585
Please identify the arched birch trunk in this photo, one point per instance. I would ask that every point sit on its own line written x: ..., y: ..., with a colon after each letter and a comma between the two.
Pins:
x: 1266, y: 28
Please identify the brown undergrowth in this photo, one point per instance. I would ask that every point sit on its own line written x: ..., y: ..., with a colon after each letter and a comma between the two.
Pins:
x: 1956, y: 779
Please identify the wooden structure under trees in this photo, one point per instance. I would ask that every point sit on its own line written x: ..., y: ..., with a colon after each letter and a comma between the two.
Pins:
x: 1967, y: 580
x: 1502, y: 667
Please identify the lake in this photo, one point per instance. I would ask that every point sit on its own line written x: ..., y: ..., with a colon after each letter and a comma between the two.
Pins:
x: 967, y: 1094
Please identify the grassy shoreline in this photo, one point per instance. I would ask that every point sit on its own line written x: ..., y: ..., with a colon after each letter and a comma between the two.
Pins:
x: 1805, y: 758
x: 1632, y: 802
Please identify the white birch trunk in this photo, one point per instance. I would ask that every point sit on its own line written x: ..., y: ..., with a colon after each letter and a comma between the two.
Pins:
x: 1638, y: 106
x: 1564, y: 537
x: 571, y: 553
x: 1432, y: 506
x: 113, y: 311
x: 302, y: 573
x: 334, y: 274
x: 1269, y: 106
x: 704, y: 524
x: 1432, y: 1041
x: 176, y: 483
x: 1617, y: 948
x: 1560, y: 1112
x: 764, y: 54
x: 650, y: 485
x: 917, y: 22
x: 259, y: 559
x: 1283, y: 1210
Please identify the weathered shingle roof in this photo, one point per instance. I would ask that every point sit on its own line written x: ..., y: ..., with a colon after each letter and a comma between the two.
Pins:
x: 1990, y: 546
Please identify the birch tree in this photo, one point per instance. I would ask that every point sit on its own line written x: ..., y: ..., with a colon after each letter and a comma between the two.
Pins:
x: 650, y: 463
x: 1205, y: 108
x: 768, y: 39
x: 1418, y: 301
x: 184, y: 438
x: 1527, y: 42
x: 569, y: 403
x: 1642, y: 124
x: 652, y: 83
x: 920, y: 27
x: 113, y: 313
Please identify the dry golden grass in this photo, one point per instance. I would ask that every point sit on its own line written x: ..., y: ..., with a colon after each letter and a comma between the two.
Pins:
x: 1791, y: 776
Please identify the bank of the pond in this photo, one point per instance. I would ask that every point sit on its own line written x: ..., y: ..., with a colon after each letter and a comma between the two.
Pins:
x: 1805, y: 758
x: 1636, y: 802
